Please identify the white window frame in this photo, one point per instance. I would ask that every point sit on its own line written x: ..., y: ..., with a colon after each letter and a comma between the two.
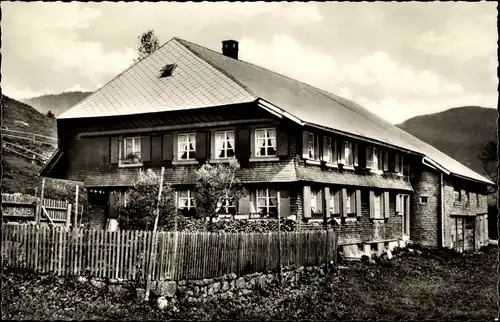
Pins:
x: 219, y: 143
x: 375, y: 158
x: 187, y: 142
x: 348, y: 147
x: 457, y: 193
x: 189, y: 198
x: 136, y: 146
x: 266, y: 145
x: 331, y: 203
x: 421, y: 201
x: 267, y: 199
x: 226, y: 205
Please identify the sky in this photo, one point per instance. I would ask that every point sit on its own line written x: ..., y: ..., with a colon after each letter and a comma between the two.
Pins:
x: 396, y: 59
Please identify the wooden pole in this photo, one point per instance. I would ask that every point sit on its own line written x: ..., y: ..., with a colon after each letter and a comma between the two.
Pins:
x: 68, y: 214
x: 39, y: 213
x: 153, y: 238
x: 76, y: 204
x: 279, y: 237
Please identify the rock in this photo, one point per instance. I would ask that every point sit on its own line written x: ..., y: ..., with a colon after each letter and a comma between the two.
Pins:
x: 216, y: 287
x: 168, y: 288
x: 117, y: 289
x: 196, y: 290
x: 113, y: 281
x: 232, y: 276
x: 181, y: 283
x: 246, y: 292
x: 210, y: 291
x: 192, y: 300
x: 230, y: 295
x: 224, y: 296
x: 207, y: 281
x: 140, y: 293
x: 82, y: 279
x: 240, y: 283
x: 225, y: 286
x: 97, y: 284
x: 162, y: 303
x: 232, y: 284
x: 262, y: 281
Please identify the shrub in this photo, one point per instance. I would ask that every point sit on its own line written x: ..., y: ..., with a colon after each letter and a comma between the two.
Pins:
x: 139, y: 212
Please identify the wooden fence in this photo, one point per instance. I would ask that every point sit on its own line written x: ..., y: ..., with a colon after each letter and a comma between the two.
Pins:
x: 30, y: 136
x: 25, y: 207
x: 124, y: 254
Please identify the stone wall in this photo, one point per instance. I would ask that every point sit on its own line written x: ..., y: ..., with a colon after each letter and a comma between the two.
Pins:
x: 227, y: 286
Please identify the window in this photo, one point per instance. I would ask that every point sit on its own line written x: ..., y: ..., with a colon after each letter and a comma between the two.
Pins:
x: 467, y: 198
x: 186, y: 199
x: 423, y: 199
x: 329, y: 150
x: 348, y: 153
x: 186, y: 146
x: 457, y: 194
x: 167, y: 70
x: 228, y: 207
x: 377, y: 207
x: 311, y: 146
x: 224, y: 144
x: 316, y: 202
x: 348, y: 203
x: 265, y: 142
x: 375, y: 155
x: 267, y: 201
x: 398, y: 163
x: 132, y: 150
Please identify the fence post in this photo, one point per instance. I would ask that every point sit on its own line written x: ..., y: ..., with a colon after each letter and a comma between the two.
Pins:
x: 68, y: 214
x: 279, y: 237
x: 76, y: 205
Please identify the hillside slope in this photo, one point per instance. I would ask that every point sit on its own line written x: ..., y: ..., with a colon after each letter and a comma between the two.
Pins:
x: 18, y: 173
x: 57, y: 103
x: 459, y: 132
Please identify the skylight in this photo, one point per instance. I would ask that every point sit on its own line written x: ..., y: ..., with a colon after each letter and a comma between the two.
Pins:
x: 167, y: 70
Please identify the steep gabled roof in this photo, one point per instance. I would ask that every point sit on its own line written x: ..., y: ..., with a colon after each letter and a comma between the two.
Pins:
x: 205, y: 78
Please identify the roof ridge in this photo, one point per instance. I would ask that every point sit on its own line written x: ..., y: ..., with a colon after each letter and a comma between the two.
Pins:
x: 116, y: 77
x: 231, y: 77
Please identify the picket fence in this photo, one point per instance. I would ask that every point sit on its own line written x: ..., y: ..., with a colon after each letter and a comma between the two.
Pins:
x: 179, y: 255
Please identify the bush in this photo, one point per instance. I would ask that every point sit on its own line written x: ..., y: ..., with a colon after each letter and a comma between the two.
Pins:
x: 139, y: 213
x: 234, y: 225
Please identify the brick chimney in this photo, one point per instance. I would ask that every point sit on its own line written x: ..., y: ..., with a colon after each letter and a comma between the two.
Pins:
x: 230, y: 48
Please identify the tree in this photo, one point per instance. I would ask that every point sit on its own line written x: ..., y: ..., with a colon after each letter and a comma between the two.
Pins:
x: 139, y: 212
x: 216, y: 188
x: 149, y: 43
x: 50, y: 114
x: 489, y: 157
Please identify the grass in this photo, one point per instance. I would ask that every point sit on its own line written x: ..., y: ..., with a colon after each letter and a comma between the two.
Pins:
x: 415, y: 285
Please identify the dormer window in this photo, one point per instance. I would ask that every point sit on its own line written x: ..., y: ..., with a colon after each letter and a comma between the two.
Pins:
x: 167, y: 70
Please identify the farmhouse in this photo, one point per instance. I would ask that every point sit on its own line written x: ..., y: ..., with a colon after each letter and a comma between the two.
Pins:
x: 305, y: 153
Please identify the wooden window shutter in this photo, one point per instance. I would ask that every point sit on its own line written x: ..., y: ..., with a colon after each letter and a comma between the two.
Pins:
x: 243, y: 143
x: 355, y: 153
x: 326, y: 202
x: 397, y: 163
x: 358, y: 203
x: 325, y: 148
x: 369, y: 156
x: 342, y: 152
x: 306, y: 198
x: 305, y: 144
x: 145, y: 148
x: 372, y: 204
x: 380, y: 158
x: 168, y: 147
x: 284, y: 203
x: 244, y: 205
x: 386, y: 204
x: 398, y: 203
x: 386, y: 161
x: 201, y: 145
x: 115, y: 150
x: 156, y: 148
x: 343, y: 201
x: 282, y: 142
